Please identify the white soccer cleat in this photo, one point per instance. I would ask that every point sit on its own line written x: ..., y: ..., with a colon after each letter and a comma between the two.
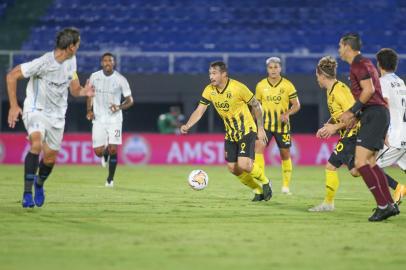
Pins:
x: 286, y: 191
x: 103, y: 162
x: 324, y: 207
x: 111, y: 184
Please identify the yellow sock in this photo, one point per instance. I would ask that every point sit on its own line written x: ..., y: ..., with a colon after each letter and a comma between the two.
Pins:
x: 258, y: 174
x: 247, y: 180
x: 332, y: 184
x: 259, y: 159
x: 286, y: 172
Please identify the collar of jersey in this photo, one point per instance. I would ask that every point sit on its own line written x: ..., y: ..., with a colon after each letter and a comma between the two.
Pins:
x: 276, y: 83
x: 224, y: 89
x: 357, y: 58
x: 332, y: 88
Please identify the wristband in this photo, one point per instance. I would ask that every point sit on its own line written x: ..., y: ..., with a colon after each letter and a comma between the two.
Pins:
x: 357, y: 107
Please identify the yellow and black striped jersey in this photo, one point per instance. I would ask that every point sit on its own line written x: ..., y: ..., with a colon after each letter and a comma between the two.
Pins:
x: 339, y: 100
x: 231, y: 105
x: 275, y: 101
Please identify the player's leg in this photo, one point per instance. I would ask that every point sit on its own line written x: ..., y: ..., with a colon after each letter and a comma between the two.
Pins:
x: 34, y: 126
x: 231, y: 149
x: 114, y: 138
x: 245, y: 161
x: 51, y: 146
x: 259, y: 154
x: 284, y: 142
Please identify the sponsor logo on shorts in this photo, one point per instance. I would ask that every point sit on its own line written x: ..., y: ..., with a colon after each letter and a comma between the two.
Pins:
x: 136, y: 150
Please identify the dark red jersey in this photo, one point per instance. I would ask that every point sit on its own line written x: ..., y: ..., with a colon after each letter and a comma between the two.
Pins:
x: 362, y: 69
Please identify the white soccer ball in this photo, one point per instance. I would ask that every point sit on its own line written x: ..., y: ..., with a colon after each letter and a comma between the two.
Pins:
x: 198, y: 179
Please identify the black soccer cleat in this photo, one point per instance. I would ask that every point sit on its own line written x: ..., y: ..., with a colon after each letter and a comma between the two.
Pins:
x: 267, y: 191
x: 396, y: 206
x: 258, y: 198
x: 382, y: 214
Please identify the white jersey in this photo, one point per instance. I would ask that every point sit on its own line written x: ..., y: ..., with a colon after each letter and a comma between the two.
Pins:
x: 108, y: 92
x: 47, y: 89
x: 394, y: 89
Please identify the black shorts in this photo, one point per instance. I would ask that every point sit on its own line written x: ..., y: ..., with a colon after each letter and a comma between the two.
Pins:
x: 344, y: 153
x: 243, y: 148
x: 374, y: 125
x: 282, y: 139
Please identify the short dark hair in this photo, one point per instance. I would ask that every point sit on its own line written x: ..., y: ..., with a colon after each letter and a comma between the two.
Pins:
x: 353, y: 40
x: 107, y: 54
x: 220, y: 64
x: 67, y: 37
x: 387, y: 59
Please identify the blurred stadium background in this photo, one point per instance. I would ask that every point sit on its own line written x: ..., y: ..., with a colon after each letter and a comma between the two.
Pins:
x: 164, y: 47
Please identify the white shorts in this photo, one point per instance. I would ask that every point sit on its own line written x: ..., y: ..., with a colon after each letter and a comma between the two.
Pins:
x: 51, y: 129
x: 105, y: 134
x: 391, y: 155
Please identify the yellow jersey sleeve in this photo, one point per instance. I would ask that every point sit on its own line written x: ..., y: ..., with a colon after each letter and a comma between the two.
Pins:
x: 344, y: 98
x: 291, y: 90
x: 206, y: 97
x: 245, y: 93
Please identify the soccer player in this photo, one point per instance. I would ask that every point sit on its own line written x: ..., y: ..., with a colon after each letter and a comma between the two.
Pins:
x: 370, y: 109
x: 279, y: 101
x: 339, y: 100
x: 394, y: 92
x: 231, y: 99
x: 105, y: 111
x: 51, y: 75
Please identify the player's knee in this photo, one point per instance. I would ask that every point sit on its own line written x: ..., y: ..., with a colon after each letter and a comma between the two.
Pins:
x: 359, y: 163
x: 112, y: 150
x: 233, y: 168
x: 245, y: 166
x: 36, y: 146
x: 49, y: 160
x: 99, y: 151
x: 285, y: 153
x: 330, y: 167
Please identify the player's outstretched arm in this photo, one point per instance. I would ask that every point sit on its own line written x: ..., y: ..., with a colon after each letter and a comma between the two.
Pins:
x: 78, y: 91
x: 15, y: 110
x: 257, y: 110
x: 194, y: 118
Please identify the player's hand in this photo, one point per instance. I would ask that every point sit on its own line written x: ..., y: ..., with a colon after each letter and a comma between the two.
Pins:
x: 184, y: 129
x: 115, y: 108
x: 285, y: 117
x: 90, y: 115
x: 348, y: 118
x: 13, y: 115
x: 262, y: 136
x: 329, y: 130
x: 89, y: 89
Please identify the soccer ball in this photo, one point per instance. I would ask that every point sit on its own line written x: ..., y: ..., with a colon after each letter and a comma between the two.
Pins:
x: 198, y: 179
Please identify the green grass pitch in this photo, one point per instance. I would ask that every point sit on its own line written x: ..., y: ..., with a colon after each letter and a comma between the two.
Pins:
x: 152, y: 219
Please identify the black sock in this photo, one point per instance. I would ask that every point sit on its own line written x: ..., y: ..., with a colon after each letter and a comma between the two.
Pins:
x: 44, y: 172
x: 391, y: 182
x: 112, y: 167
x: 30, y: 170
x: 106, y: 154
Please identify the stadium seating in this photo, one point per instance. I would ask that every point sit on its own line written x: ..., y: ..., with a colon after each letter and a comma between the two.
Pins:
x: 304, y: 26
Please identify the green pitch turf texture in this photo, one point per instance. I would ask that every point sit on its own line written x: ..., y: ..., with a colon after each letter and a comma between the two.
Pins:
x: 151, y: 219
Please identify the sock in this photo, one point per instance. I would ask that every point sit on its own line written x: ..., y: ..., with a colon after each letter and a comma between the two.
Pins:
x: 30, y: 170
x: 391, y: 182
x: 258, y: 174
x: 112, y: 167
x: 106, y: 154
x: 383, y: 183
x: 372, y: 183
x: 44, y: 172
x: 259, y: 159
x: 332, y: 184
x: 247, y: 180
x: 286, y: 172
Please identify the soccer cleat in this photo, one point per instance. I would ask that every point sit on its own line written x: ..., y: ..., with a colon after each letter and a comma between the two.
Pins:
x: 109, y: 183
x: 39, y: 196
x: 323, y: 207
x: 396, y: 206
x: 267, y: 189
x: 27, y: 201
x: 382, y: 214
x: 258, y: 198
x: 286, y: 191
x: 399, y: 193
